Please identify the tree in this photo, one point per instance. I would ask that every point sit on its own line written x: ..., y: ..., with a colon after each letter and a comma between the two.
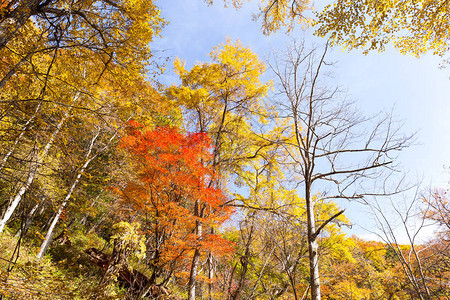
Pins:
x: 414, y: 27
x: 92, y: 55
x: 438, y: 210
x: 224, y: 98
x: 115, y: 32
x: 172, y: 194
x: 327, y: 142
x: 401, y: 222
x: 359, y: 269
x: 277, y: 14
x: 85, y: 163
x: 435, y: 252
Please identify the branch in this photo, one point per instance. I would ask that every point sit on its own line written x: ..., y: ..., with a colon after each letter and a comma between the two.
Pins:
x: 319, y: 176
x: 326, y: 223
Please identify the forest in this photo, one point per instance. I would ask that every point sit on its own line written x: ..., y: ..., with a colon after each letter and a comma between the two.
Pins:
x: 228, y: 182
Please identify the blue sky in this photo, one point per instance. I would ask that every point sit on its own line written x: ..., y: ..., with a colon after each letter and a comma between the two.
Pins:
x: 416, y: 89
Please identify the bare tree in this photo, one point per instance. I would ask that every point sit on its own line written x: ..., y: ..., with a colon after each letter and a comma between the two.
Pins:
x: 403, y: 225
x: 407, y: 253
x: 327, y: 141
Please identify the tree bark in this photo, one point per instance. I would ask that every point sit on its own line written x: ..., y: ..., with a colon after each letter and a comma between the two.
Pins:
x: 196, y: 258
x: 244, y: 263
x: 33, y: 170
x: 312, y: 246
x: 50, y: 232
x: 193, y: 274
x: 13, y: 20
x: 19, y: 137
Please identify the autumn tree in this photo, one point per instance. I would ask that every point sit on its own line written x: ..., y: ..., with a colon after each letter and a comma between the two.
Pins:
x: 224, y: 98
x: 172, y: 193
x: 113, y: 32
x: 437, y: 209
x: 83, y: 49
x: 358, y: 269
x: 331, y: 147
x: 414, y: 27
x: 277, y: 14
x: 271, y: 257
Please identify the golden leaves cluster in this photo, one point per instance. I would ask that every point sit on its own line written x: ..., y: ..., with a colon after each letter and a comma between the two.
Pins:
x: 414, y: 27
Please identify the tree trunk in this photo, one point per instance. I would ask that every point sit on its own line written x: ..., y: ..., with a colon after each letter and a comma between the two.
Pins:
x: 312, y: 246
x: 33, y: 170
x: 16, y: 19
x: 244, y: 263
x: 15, y: 201
x: 193, y: 274
x: 210, y: 266
x: 50, y: 232
x: 23, y: 229
x: 14, y: 69
x: 19, y: 137
x: 196, y: 258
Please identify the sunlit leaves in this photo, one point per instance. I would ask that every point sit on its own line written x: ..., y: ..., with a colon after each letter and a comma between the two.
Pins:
x: 414, y: 27
x: 224, y: 98
x: 276, y: 14
x: 172, y: 176
x: 233, y: 78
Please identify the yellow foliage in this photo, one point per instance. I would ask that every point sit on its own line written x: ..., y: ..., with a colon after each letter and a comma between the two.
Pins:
x: 128, y: 236
x: 414, y: 27
x: 223, y: 98
x: 276, y: 14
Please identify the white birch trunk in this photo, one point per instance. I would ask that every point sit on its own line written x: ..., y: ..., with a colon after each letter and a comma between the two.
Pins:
x: 19, y: 137
x: 33, y: 170
x: 50, y: 232
x: 313, y: 248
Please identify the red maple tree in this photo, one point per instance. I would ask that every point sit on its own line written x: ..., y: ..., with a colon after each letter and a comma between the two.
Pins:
x: 173, y: 173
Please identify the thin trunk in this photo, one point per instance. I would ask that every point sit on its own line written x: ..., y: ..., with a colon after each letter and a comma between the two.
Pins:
x: 261, y: 273
x: 84, y: 219
x: 244, y: 263
x: 28, y: 221
x: 15, y: 201
x: 44, y: 227
x: 210, y: 266
x: 312, y: 246
x: 193, y: 274
x: 419, y: 263
x: 196, y: 258
x: 33, y: 170
x: 13, y: 21
x: 291, y: 272
x: 305, y: 293
x: 18, y: 138
x: 50, y: 232
x: 13, y: 70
